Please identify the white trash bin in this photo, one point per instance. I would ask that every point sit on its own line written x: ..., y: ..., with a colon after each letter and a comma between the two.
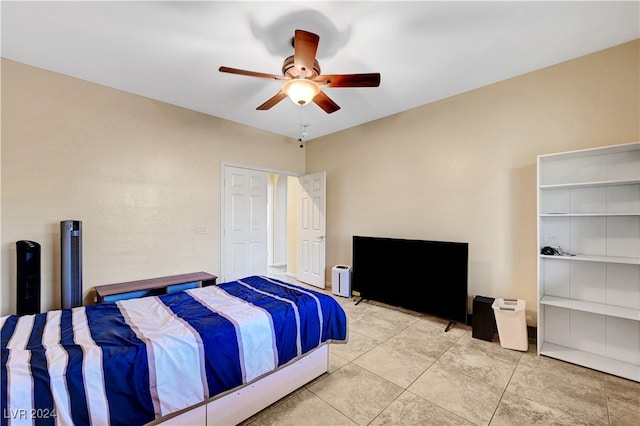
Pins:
x: 512, y: 323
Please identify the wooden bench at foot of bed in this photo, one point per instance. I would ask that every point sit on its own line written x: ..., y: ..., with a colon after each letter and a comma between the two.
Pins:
x: 153, y: 286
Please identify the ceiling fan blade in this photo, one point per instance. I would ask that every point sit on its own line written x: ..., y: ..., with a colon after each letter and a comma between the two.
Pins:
x: 272, y: 101
x: 305, y: 45
x: 326, y: 103
x: 349, y: 80
x: 252, y: 73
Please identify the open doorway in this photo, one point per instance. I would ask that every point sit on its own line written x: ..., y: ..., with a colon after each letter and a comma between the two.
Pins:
x: 277, y: 223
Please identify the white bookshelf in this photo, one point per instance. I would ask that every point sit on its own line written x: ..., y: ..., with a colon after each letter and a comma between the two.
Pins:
x: 589, y: 299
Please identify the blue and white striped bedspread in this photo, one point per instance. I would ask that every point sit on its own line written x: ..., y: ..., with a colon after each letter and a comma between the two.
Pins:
x: 132, y: 361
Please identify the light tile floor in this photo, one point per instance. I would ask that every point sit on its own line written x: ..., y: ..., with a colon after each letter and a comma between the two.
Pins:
x: 401, y: 368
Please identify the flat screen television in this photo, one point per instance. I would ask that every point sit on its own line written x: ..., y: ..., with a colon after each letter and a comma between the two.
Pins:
x: 420, y: 275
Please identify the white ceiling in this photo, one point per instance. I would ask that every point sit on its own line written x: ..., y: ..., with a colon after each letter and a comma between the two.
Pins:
x: 425, y: 50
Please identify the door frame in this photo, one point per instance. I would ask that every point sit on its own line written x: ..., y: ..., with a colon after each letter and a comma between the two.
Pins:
x: 224, y: 164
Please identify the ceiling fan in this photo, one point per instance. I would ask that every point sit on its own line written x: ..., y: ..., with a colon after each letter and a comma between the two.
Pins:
x: 303, y: 81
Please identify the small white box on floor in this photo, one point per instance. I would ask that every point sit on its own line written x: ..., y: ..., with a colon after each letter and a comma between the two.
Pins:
x: 512, y: 323
x: 341, y: 280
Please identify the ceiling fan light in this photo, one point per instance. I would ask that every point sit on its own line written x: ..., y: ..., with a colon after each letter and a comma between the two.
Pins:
x: 301, y: 91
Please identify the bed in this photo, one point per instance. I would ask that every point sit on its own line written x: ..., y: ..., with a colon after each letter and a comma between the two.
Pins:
x: 209, y: 355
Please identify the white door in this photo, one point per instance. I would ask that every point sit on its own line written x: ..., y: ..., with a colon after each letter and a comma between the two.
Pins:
x: 311, y: 229
x: 244, y: 250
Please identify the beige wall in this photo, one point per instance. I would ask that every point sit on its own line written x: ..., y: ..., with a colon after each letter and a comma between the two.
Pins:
x: 464, y: 168
x: 139, y: 174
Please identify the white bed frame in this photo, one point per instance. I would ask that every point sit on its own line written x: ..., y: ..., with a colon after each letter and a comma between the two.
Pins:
x: 236, y: 405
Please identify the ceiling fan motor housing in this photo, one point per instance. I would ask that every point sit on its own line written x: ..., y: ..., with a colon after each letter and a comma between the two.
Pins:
x: 288, y: 67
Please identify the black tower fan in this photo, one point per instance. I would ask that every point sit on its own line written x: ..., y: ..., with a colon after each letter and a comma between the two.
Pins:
x: 28, y: 257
